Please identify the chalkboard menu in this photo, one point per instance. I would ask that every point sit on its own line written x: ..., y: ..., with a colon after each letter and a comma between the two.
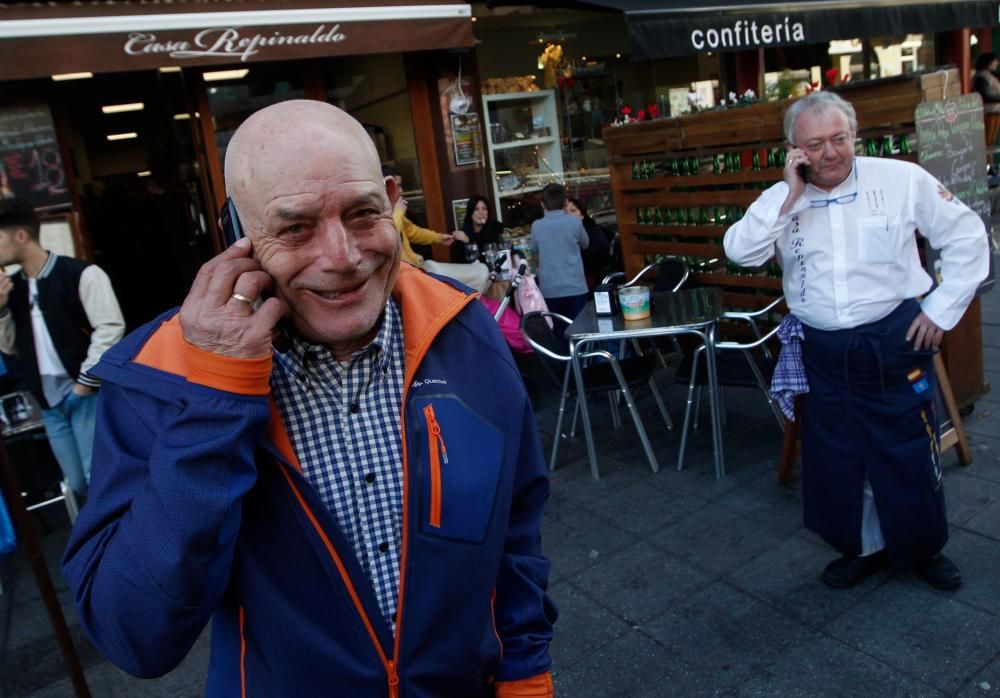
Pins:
x: 30, y: 165
x: 951, y: 146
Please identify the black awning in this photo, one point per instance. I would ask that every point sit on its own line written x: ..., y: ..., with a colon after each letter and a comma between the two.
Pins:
x: 666, y: 28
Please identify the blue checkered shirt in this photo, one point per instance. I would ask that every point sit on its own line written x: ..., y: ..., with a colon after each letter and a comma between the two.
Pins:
x: 344, y: 423
x: 789, y: 377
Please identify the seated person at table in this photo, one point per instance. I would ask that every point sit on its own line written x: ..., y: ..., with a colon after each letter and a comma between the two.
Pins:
x: 480, y: 226
x: 410, y: 231
x: 557, y: 240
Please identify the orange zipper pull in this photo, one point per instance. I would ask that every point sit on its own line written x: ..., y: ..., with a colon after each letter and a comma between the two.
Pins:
x: 435, y: 429
x: 390, y: 668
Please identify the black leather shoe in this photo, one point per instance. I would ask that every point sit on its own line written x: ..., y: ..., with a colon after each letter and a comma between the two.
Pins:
x: 940, y: 572
x: 849, y: 571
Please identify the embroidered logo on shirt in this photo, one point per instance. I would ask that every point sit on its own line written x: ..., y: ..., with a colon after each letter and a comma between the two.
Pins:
x: 945, y: 194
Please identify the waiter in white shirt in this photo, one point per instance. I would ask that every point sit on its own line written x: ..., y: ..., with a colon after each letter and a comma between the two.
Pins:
x: 843, y: 231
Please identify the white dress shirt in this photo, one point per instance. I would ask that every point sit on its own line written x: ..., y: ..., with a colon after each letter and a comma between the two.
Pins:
x: 847, y: 264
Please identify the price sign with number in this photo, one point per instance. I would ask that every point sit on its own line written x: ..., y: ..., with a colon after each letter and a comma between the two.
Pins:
x: 31, y: 167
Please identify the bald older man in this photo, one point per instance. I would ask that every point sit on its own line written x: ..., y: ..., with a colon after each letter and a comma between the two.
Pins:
x: 358, y: 513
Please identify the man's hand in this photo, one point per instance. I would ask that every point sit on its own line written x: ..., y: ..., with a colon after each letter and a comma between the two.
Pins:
x: 401, y: 204
x: 82, y: 390
x: 925, y: 333
x: 447, y: 240
x: 6, y: 286
x: 216, y: 315
x: 460, y: 236
x: 796, y: 185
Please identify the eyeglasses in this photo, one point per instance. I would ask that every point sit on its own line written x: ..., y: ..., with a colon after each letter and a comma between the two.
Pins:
x: 843, y: 199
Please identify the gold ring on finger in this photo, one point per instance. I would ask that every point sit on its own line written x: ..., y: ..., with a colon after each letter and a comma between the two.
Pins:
x: 242, y: 299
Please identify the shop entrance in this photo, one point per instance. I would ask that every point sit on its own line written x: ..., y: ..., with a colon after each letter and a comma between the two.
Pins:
x: 141, y: 195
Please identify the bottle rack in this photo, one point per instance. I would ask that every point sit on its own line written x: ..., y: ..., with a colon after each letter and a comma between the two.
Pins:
x: 680, y: 183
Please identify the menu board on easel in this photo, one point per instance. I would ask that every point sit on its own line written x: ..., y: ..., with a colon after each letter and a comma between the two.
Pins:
x: 31, y: 167
x: 952, y: 148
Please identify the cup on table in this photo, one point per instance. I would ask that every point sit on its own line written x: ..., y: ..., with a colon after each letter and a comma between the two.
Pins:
x: 634, y: 301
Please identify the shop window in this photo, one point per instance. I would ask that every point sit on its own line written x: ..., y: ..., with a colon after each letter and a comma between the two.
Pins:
x: 373, y: 90
x: 234, y: 98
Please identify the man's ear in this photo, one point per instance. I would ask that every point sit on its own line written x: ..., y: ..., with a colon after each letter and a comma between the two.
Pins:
x: 391, y: 190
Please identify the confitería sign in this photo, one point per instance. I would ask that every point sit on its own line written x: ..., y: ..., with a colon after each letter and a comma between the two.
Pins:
x: 743, y: 34
x: 228, y: 42
x: 663, y: 30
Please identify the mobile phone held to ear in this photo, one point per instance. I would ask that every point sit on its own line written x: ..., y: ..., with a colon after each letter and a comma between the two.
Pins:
x: 232, y: 229
x: 802, y: 170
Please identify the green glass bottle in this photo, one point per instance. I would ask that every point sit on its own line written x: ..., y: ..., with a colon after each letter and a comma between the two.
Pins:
x: 682, y: 216
x: 716, y: 163
x: 756, y: 159
x: 635, y: 169
x: 703, y: 218
x: 658, y: 216
x: 904, y: 144
x: 694, y: 167
x: 675, y: 168
x: 771, y: 158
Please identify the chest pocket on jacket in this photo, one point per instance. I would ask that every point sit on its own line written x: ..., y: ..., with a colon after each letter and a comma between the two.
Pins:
x: 878, y: 241
x: 460, y: 459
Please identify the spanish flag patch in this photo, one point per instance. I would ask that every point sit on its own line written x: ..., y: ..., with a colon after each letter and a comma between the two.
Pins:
x: 918, y: 379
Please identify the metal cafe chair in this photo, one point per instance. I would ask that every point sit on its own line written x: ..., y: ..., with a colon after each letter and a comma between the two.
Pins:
x: 738, y: 364
x: 611, y: 376
x: 24, y: 431
x: 671, y: 273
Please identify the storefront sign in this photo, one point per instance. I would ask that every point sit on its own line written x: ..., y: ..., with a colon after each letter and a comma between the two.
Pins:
x: 743, y: 34
x: 154, y: 43
x: 228, y: 42
x: 677, y: 29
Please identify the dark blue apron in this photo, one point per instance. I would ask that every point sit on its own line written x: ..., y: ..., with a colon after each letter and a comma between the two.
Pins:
x: 872, y: 411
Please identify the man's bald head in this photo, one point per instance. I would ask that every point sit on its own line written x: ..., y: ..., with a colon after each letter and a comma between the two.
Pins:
x: 281, y: 136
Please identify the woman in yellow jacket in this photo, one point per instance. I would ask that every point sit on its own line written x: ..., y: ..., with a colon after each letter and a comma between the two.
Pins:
x: 410, y: 231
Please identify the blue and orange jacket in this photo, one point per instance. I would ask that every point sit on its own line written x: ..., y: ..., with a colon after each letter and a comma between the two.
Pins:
x: 198, y: 510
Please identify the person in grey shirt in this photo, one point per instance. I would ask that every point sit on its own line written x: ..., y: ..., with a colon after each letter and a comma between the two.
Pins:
x: 557, y: 240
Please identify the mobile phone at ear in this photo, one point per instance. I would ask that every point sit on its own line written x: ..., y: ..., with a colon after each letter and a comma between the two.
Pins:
x: 803, y: 171
x: 232, y: 229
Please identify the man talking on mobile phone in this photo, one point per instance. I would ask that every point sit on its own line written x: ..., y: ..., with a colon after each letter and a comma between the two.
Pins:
x: 853, y: 281
x: 356, y: 513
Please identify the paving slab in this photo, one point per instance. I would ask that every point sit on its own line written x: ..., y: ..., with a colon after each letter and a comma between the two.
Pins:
x: 585, y: 626
x: 788, y: 577
x: 717, y: 540
x: 579, y: 540
x: 930, y: 636
x: 720, y: 638
x: 822, y: 666
x: 628, y: 666
x: 640, y: 582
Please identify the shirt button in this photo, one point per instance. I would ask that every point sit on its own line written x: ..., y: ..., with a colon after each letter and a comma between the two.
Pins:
x: 383, y: 547
x: 355, y: 408
x: 370, y: 478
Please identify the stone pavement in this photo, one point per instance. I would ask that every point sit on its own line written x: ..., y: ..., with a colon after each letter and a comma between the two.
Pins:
x: 676, y: 584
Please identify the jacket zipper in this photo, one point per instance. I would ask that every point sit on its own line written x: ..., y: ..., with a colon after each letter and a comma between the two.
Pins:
x: 438, y: 453
x: 391, y: 665
x: 243, y: 652
x: 493, y: 616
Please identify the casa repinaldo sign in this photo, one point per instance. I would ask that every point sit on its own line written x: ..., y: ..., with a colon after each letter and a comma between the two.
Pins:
x: 228, y: 42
